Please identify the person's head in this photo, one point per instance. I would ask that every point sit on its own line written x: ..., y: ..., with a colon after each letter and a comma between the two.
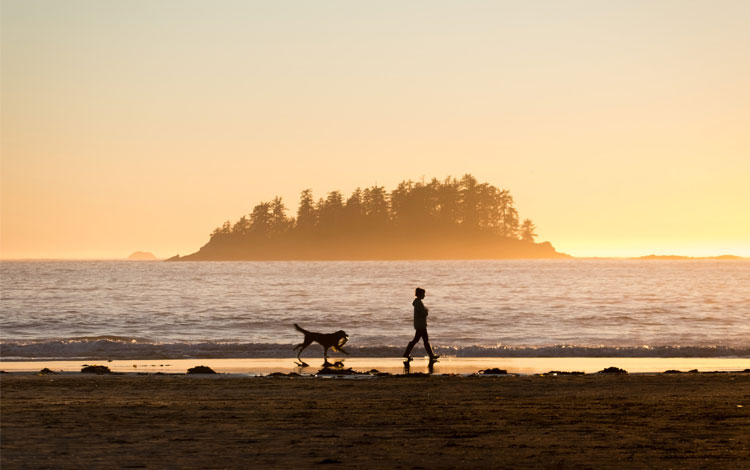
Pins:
x: 419, y: 293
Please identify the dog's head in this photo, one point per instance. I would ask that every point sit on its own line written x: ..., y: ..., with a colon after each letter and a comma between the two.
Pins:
x: 341, y: 338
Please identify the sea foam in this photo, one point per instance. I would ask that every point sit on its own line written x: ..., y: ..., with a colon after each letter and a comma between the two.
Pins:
x: 133, y: 348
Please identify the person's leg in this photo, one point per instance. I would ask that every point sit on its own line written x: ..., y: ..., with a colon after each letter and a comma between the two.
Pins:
x: 410, y: 346
x: 427, y: 343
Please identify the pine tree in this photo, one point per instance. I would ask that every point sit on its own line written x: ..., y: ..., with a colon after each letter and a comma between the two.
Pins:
x: 527, y: 231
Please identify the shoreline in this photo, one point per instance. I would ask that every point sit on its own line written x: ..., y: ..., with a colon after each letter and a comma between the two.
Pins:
x: 446, y: 365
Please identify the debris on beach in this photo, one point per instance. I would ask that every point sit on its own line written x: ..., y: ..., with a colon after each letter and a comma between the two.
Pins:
x: 493, y: 371
x: 201, y: 370
x: 327, y: 462
x: 413, y: 374
x: 281, y: 374
x: 612, y: 370
x: 564, y: 372
x: 98, y: 370
x: 339, y: 371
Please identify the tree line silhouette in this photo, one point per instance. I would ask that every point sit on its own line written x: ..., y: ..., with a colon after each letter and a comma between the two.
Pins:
x: 436, y: 219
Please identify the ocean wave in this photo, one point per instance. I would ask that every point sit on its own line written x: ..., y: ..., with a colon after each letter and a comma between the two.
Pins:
x: 111, y: 347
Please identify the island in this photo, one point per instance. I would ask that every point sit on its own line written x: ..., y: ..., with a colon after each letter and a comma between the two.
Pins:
x: 436, y: 220
x: 142, y: 256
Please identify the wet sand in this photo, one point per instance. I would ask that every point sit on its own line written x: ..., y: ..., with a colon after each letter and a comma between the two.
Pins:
x: 394, y: 365
x: 181, y: 421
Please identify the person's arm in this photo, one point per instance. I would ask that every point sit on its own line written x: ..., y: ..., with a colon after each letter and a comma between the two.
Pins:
x: 421, y: 308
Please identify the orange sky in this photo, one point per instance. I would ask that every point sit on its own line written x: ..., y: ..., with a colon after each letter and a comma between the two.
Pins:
x: 621, y: 128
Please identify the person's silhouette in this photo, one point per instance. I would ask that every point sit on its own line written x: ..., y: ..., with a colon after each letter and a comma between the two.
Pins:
x: 420, y: 327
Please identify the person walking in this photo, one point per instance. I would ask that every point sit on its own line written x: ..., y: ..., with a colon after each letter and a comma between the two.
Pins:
x: 420, y: 327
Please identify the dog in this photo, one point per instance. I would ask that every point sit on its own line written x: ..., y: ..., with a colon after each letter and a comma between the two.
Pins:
x: 333, y: 341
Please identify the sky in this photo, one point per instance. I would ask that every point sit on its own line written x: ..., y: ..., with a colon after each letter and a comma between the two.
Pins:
x: 621, y: 128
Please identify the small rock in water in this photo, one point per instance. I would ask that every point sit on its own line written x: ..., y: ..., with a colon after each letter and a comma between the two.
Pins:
x: 46, y: 371
x: 612, y: 370
x: 672, y: 371
x: 201, y: 370
x: 98, y: 370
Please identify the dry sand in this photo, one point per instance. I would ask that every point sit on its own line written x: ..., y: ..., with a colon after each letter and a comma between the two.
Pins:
x: 592, y: 421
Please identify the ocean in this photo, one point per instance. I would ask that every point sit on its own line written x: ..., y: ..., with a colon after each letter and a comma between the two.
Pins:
x: 60, y: 310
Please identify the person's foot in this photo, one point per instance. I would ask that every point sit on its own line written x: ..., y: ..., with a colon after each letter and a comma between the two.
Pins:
x: 434, y: 358
x: 407, y: 358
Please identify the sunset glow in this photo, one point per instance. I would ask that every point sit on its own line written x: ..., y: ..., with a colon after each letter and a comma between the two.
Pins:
x: 621, y: 128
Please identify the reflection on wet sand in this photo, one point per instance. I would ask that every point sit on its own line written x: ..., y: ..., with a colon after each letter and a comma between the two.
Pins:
x: 446, y: 365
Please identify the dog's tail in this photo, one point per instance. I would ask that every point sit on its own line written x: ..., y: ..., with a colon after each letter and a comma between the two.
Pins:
x: 300, y: 329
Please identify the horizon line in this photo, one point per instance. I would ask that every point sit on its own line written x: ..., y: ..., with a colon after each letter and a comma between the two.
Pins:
x: 473, y: 259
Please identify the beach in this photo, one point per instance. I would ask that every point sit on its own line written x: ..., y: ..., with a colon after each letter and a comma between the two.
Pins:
x: 685, y: 420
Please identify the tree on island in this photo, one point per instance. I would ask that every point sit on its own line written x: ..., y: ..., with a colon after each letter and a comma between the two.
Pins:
x: 527, y: 231
x: 452, y: 218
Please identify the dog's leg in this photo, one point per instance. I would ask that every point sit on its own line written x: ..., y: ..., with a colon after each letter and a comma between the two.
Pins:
x: 302, y: 346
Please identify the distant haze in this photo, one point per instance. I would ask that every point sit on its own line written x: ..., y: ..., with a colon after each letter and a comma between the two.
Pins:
x: 620, y: 127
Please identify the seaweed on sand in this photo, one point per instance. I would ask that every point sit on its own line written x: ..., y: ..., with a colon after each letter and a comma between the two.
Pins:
x: 98, y: 370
